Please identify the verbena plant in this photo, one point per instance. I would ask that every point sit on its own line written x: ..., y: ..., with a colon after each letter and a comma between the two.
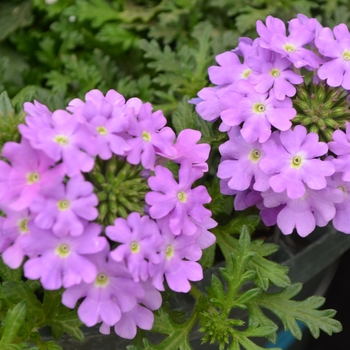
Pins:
x: 108, y: 200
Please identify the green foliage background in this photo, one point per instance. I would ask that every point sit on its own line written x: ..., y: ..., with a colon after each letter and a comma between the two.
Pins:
x: 157, y: 50
x: 160, y: 52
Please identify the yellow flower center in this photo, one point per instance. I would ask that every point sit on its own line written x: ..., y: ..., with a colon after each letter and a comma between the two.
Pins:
x: 296, y: 162
x: 254, y: 155
x: 101, y: 280
x: 182, y: 197
x: 290, y: 48
x: 245, y: 73
x: 63, y: 250
x: 146, y: 136
x: 63, y: 204
x: 23, y: 226
x: 346, y: 55
x: 62, y: 140
x: 275, y: 72
x: 259, y: 108
x: 32, y: 178
x: 101, y: 130
x: 134, y: 247
x: 169, y: 252
x: 342, y: 188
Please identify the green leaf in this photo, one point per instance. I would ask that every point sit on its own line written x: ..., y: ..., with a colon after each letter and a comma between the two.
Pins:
x: 248, y: 344
x: 184, y: 117
x: 236, y: 225
x: 177, y: 334
x: 51, y: 303
x: 8, y: 274
x: 16, y: 292
x: 6, y: 108
x: 266, y: 271
x: 96, y: 12
x: 57, y: 81
x: 289, y: 311
x: 70, y: 323
x: 264, y: 249
x: 114, y: 34
x: 13, y: 16
x: 50, y: 345
x: 216, y: 289
x: 269, y: 271
x: 13, y: 322
x: 246, y: 297
x: 258, y: 318
x: 44, y: 96
x: 208, y: 257
x: 247, y: 21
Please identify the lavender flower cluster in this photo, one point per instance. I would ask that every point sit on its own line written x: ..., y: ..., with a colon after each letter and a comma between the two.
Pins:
x: 52, y: 207
x: 274, y: 157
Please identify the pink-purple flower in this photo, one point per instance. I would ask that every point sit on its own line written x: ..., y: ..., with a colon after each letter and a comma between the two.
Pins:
x: 177, y: 200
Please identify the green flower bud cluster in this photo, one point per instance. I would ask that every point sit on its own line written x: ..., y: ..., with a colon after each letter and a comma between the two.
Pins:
x: 119, y: 187
x: 321, y: 109
x: 217, y: 328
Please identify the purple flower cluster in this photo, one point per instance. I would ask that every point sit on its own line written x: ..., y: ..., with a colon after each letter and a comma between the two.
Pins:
x: 296, y: 180
x: 51, y: 209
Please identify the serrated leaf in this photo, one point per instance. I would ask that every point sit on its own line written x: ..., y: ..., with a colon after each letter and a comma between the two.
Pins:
x: 177, y: 334
x: 264, y: 249
x: 247, y: 296
x: 249, y: 345
x: 57, y: 81
x: 236, y: 225
x: 6, y: 108
x: 8, y: 274
x: 208, y: 257
x: 269, y: 271
x: 262, y: 331
x: 247, y: 21
x: 266, y: 271
x: 258, y: 318
x: 289, y: 311
x: 95, y: 11
x: 184, y: 117
x: 13, y: 16
x: 114, y: 34
x: 216, y: 289
x: 51, y: 303
x: 51, y: 345
x: 69, y: 323
x: 13, y: 321
x: 16, y: 292
x: 44, y: 96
